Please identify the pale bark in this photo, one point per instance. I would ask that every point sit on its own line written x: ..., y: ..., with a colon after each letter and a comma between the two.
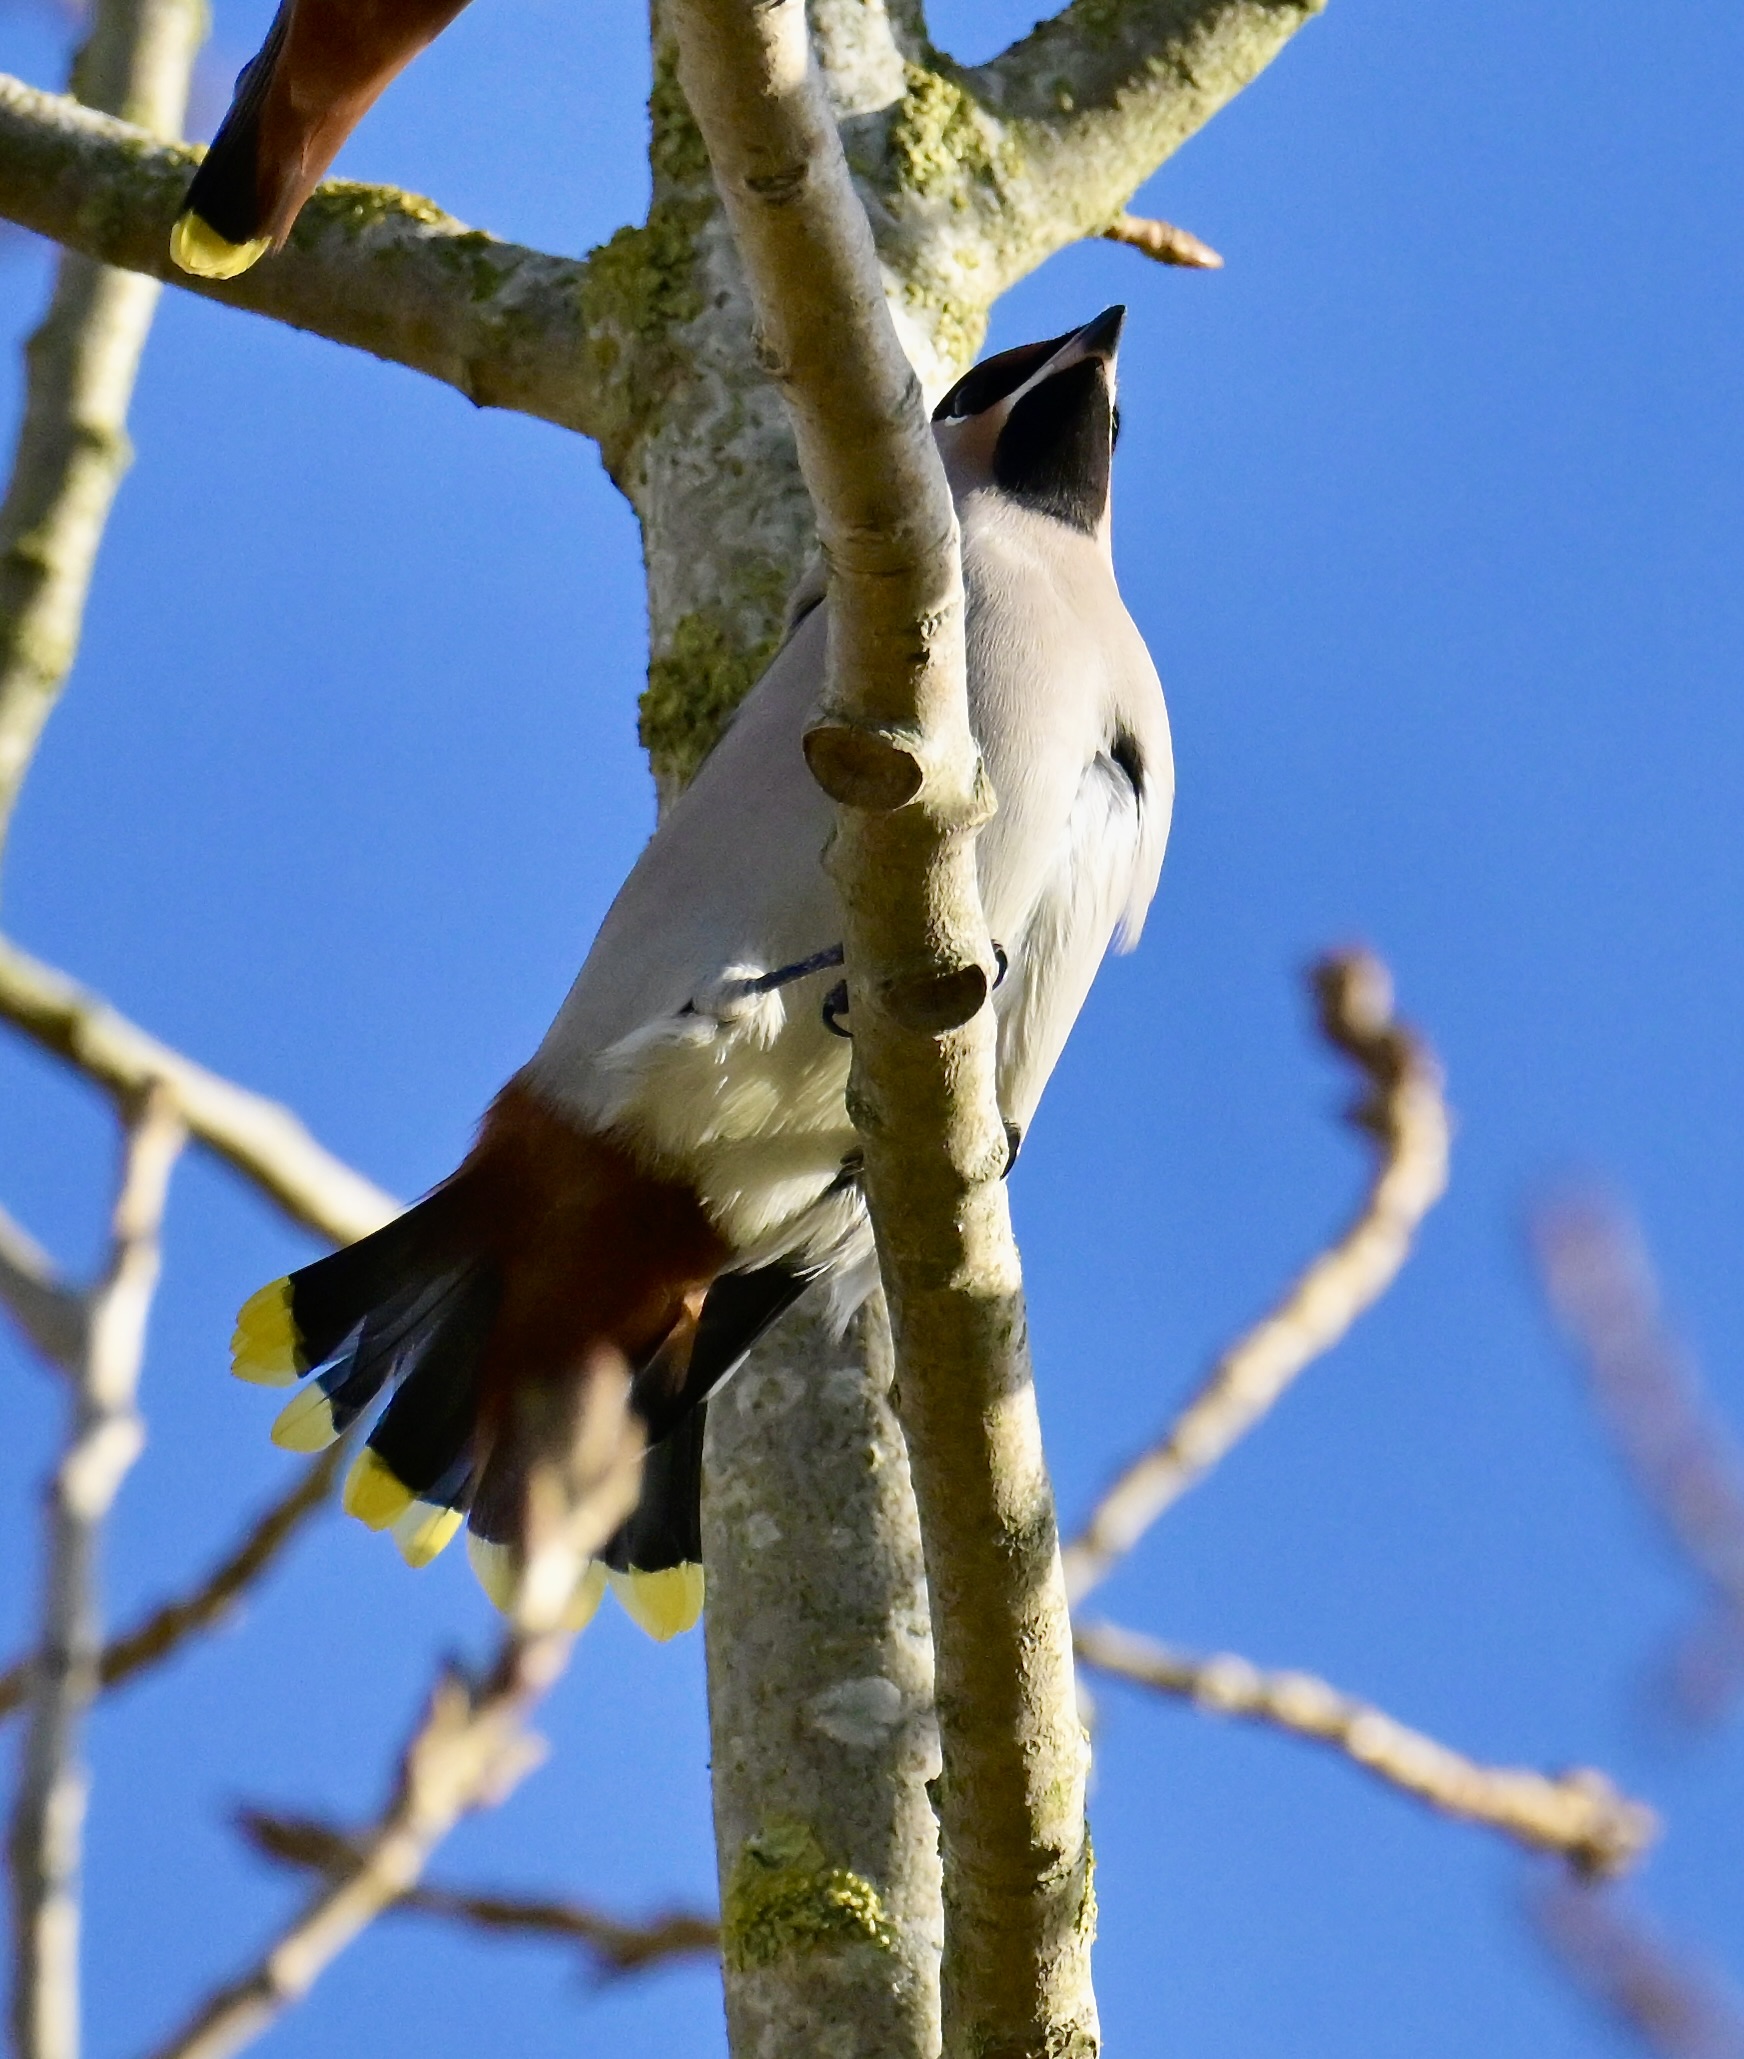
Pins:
x: 46, y: 1837
x: 260, y: 1139
x: 894, y: 748
x: 80, y: 364
x: 821, y: 1721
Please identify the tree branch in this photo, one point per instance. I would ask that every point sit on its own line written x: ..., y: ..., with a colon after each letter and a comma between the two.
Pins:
x: 170, y: 1625
x: 254, y: 1136
x: 1578, y: 1815
x: 1676, y: 2008
x: 894, y: 748
x: 48, y: 1311
x: 616, y: 1947
x: 370, y: 266
x: 1402, y: 1112
x: 80, y: 367
x: 45, y: 1842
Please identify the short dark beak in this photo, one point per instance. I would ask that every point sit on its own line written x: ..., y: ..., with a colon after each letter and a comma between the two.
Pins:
x: 1101, y: 338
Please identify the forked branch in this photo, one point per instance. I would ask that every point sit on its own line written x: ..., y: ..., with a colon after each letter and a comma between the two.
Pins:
x: 1401, y: 1111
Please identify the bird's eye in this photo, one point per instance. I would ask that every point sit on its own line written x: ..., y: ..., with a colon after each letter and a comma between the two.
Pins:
x: 1114, y: 427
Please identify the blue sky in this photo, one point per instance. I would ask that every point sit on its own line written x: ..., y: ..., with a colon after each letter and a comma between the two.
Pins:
x: 1430, y: 507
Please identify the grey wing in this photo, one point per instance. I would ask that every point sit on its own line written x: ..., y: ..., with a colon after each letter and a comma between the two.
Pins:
x: 1096, y: 894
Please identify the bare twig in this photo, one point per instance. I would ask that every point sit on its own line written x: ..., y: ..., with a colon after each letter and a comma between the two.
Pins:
x: 893, y: 747
x: 257, y: 1137
x: 1578, y: 1815
x: 169, y: 1626
x: 617, y: 1947
x: 1402, y: 1112
x: 80, y: 366
x: 1600, y: 1282
x: 105, y: 1436
x: 48, y: 1311
x: 472, y: 1745
x: 1677, y: 2008
x: 1163, y: 241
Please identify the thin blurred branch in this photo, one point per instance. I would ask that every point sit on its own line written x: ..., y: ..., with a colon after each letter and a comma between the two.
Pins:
x: 469, y: 1751
x: 1599, y: 1281
x: 1162, y: 241
x: 1402, y: 1112
x: 472, y: 1745
x: 617, y: 1947
x: 256, y: 1137
x: 169, y: 1626
x: 80, y: 364
x: 1578, y: 1815
x: 49, y: 1311
x: 1675, y: 2007
x: 105, y: 1436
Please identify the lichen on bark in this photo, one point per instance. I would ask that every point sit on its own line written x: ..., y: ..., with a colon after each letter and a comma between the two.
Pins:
x: 784, y: 1897
x: 693, y: 687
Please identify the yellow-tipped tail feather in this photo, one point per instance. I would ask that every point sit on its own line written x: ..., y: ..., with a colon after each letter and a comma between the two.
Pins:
x: 198, y: 248
x: 264, y: 1350
x: 424, y: 1531
x: 662, y: 1603
x: 590, y: 1591
x: 305, y: 1423
x: 373, y: 1493
x: 497, y: 1568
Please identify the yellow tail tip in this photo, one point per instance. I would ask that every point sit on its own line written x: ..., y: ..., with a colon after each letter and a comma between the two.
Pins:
x: 495, y: 1569
x: 198, y: 248
x: 264, y: 1349
x: 373, y: 1494
x: 590, y: 1591
x: 425, y: 1531
x: 305, y: 1423
x: 663, y: 1603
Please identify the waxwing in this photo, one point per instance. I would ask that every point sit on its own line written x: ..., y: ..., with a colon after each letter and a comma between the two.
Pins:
x: 675, y: 1166
x: 322, y: 67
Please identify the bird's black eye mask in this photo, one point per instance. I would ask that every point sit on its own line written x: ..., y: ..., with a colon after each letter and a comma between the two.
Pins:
x: 1053, y: 452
